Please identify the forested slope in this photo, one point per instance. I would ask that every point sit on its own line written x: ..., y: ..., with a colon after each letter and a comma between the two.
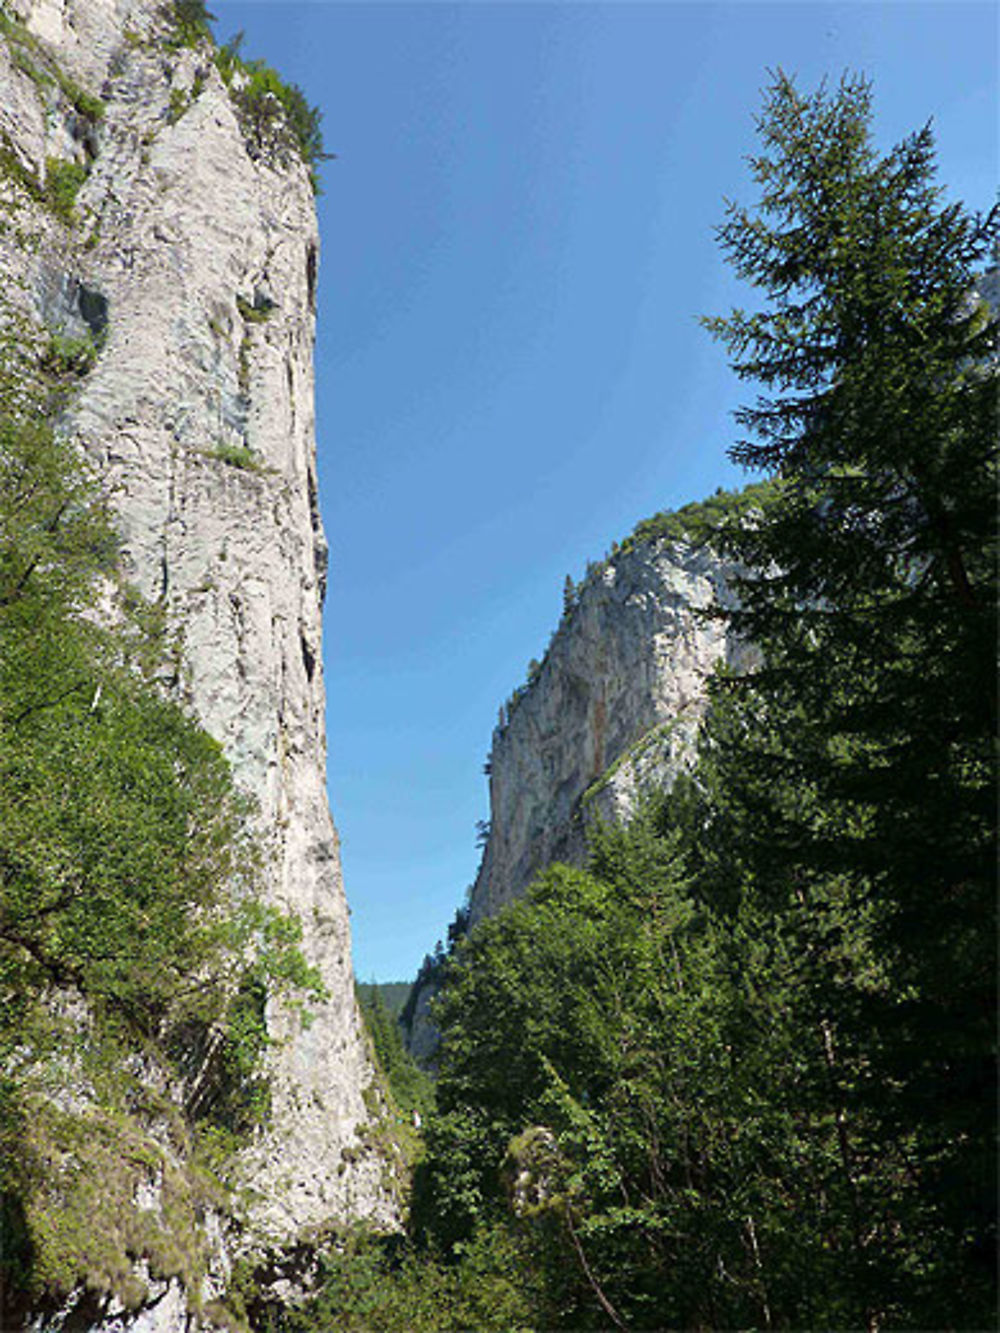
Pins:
x: 739, y: 1071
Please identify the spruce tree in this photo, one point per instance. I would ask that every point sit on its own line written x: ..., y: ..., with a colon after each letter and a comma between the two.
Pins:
x: 857, y: 760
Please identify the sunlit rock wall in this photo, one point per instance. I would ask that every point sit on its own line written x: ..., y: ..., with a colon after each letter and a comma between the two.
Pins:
x: 613, y: 711
x: 195, y: 265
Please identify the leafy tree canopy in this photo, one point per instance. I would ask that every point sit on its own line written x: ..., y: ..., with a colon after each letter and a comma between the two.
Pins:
x: 856, y: 765
x: 741, y: 1070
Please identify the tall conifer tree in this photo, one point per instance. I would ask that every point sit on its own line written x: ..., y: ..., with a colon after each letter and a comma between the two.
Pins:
x: 860, y: 754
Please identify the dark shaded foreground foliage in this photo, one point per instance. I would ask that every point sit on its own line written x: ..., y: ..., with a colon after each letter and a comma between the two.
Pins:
x: 388, y: 1284
x: 654, y: 1112
x: 740, y: 1071
x: 855, y: 770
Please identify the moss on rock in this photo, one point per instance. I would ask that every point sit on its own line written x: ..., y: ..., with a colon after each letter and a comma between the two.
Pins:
x: 100, y: 1196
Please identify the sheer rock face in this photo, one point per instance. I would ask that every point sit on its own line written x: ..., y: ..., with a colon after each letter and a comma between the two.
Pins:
x: 194, y: 264
x: 613, y: 712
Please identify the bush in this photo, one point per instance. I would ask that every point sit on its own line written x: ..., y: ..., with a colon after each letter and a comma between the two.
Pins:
x: 62, y: 184
x: 384, y: 1284
x: 69, y: 357
x: 275, y: 116
x: 237, y: 455
x: 191, y: 22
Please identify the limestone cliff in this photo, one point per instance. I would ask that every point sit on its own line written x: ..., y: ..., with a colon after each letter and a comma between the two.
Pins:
x: 189, y: 260
x: 613, y: 710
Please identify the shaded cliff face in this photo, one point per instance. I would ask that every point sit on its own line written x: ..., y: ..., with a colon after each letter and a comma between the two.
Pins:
x: 190, y: 267
x: 613, y: 711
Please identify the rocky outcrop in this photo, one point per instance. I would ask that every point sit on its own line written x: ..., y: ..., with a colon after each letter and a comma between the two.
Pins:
x: 612, y: 711
x: 186, y: 268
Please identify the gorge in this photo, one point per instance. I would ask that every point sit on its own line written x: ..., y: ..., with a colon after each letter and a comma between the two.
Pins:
x: 714, y: 1037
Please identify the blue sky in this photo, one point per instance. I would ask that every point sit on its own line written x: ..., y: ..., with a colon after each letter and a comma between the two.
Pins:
x: 517, y: 246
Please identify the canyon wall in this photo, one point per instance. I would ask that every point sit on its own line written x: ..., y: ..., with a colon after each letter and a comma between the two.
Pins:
x: 612, y: 711
x: 189, y: 262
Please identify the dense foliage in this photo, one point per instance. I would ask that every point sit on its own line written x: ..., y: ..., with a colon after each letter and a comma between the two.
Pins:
x: 391, y: 994
x: 190, y: 20
x: 862, y: 751
x: 700, y: 521
x: 633, y: 1072
x: 384, y: 1283
x: 740, y: 1070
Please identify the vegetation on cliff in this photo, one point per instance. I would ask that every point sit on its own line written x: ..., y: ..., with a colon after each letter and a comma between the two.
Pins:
x: 276, y: 117
x: 696, y: 524
x: 737, y: 1072
x: 136, y: 953
x: 411, y: 1087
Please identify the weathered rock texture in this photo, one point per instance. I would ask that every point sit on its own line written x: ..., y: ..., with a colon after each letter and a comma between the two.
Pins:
x: 610, y: 715
x: 194, y: 264
x: 612, y: 712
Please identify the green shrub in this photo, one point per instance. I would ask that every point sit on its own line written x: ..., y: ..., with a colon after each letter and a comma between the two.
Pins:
x: 13, y: 169
x: 35, y: 61
x: 89, y: 106
x: 237, y: 455
x: 192, y: 23
x: 75, y: 1180
x: 62, y: 184
x: 384, y: 1284
x: 699, y: 521
x: 26, y: 65
x: 253, y: 314
x: 179, y: 103
x: 62, y: 181
x: 181, y: 99
x: 68, y: 357
x: 275, y: 116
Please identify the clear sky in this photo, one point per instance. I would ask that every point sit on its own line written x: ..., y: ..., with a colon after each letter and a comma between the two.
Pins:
x: 517, y: 247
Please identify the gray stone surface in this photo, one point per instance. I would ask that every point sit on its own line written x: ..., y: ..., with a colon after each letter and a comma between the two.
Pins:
x: 422, y: 1036
x: 613, y: 711
x: 181, y: 237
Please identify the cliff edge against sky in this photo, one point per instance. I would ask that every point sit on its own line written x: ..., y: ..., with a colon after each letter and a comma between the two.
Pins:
x: 143, y: 220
